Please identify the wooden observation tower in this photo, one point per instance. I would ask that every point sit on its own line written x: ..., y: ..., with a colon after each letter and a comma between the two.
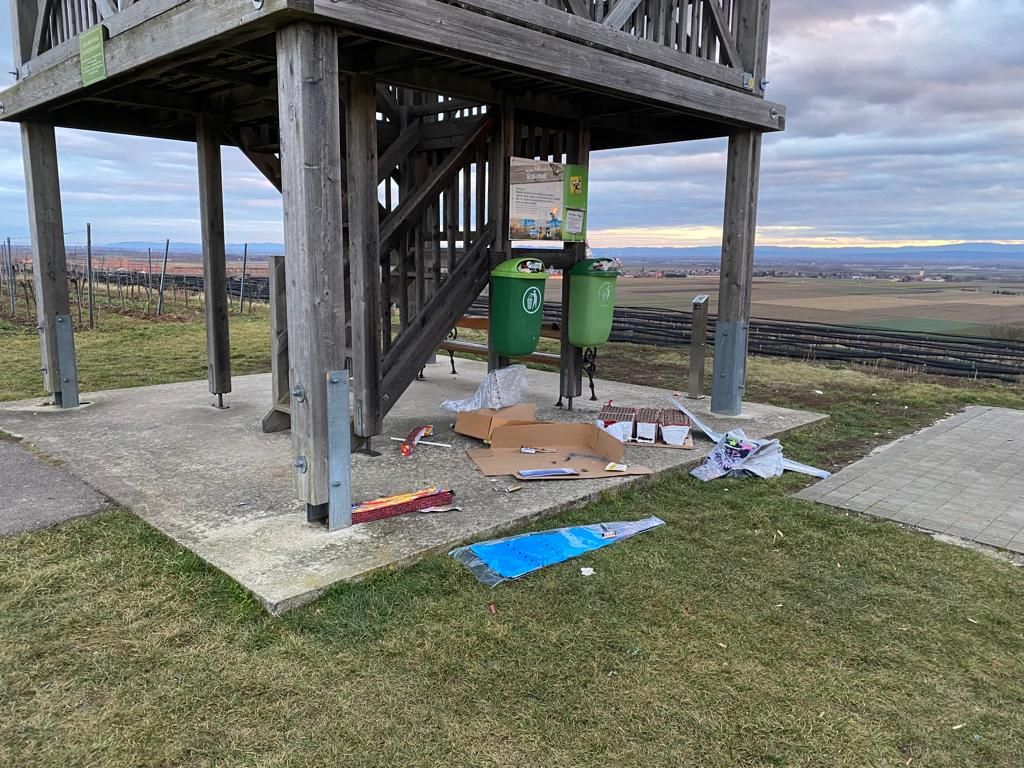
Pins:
x: 388, y: 126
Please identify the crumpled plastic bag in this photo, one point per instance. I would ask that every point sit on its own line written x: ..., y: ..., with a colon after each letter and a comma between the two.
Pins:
x: 736, y: 456
x: 502, y: 388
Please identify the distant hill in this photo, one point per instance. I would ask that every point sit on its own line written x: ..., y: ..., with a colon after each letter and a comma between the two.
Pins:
x: 965, y: 253
x: 255, y: 249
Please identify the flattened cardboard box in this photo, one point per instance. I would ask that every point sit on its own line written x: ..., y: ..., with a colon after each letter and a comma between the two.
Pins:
x: 482, y: 423
x: 583, y: 447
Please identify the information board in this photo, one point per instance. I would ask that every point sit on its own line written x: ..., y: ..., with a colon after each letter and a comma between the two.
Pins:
x: 547, y: 201
x: 92, y: 54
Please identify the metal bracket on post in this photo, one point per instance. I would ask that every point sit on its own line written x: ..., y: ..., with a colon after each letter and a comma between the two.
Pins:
x: 339, y: 452
x: 68, y: 364
x: 698, y: 345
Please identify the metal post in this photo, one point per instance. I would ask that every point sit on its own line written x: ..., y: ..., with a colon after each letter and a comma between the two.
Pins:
x: 698, y: 345
x: 14, y: 277
x: 241, y: 286
x: 163, y: 278
x: 68, y: 366
x: 339, y: 452
x: 88, y: 269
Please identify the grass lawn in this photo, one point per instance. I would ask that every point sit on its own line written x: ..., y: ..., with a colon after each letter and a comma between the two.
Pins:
x: 752, y: 630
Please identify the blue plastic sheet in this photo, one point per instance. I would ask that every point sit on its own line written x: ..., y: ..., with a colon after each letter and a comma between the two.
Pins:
x: 498, y: 560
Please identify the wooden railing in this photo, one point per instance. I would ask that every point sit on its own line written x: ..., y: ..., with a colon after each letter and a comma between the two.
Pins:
x: 702, y: 28
x: 62, y: 20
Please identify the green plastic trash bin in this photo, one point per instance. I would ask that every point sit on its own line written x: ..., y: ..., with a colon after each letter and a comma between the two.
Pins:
x: 517, y: 306
x: 591, y: 302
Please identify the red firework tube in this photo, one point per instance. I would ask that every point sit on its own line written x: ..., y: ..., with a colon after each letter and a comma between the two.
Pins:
x: 414, y: 438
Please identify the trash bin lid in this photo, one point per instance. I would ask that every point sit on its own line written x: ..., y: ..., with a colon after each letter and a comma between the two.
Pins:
x: 521, y: 269
x: 596, y: 268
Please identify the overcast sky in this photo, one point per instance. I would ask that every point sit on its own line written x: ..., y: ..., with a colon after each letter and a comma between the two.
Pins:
x: 905, y: 125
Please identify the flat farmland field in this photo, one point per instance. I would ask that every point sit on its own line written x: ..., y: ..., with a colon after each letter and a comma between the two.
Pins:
x: 967, y: 308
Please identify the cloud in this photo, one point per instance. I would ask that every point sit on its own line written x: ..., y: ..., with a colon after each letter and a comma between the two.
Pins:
x: 904, y: 124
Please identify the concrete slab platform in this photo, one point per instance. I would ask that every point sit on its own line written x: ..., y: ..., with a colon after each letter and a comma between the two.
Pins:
x: 213, y: 482
x: 35, y: 494
x: 963, y: 476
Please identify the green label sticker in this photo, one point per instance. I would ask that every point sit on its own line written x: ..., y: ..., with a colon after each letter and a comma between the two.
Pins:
x: 91, y: 53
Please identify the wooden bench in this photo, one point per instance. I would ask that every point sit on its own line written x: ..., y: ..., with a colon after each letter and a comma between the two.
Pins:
x: 454, y: 344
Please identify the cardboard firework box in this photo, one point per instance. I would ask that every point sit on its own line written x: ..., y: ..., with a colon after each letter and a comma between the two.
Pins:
x: 618, y: 421
x: 648, y: 420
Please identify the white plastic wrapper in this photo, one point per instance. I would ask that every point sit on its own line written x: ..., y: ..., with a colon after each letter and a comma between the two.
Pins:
x: 620, y: 430
x: 502, y: 388
x: 736, y: 456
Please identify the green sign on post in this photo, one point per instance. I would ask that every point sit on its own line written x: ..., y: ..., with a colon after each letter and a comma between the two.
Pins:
x: 90, y: 50
x: 574, y: 195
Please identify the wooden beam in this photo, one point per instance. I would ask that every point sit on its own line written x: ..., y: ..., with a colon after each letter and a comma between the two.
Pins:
x: 278, y: 419
x: 46, y: 228
x: 215, y: 280
x: 737, y: 275
x: 140, y: 36
x: 502, y: 148
x: 23, y: 29
x: 752, y: 38
x: 724, y: 35
x: 571, y: 366
x: 480, y: 38
x: 604, y: 38
x: 420, y: 339
x: 407, y: 212
x: 398, y: 150
x: 42, y: 26
x: 310, y: 113
x: 266, y: 163
x: 364, y: 253
x: 578, y: 7
x: 620, y: 13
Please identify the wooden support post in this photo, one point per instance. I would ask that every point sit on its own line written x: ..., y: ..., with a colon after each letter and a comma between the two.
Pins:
x: 734, y: 293
x: 578, y: 153
x: 742, y: 176
x: 502, y: 147
x: 364, y: 254
x: 309, y: 95
x: 46, y: 225
x: 24, y: 14
x: 279, y: 417
x: 215, y: 279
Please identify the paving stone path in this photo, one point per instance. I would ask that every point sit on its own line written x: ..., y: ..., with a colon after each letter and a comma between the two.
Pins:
x: 963, y: 476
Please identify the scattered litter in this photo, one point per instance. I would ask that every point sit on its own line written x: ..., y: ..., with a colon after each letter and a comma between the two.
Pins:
x: 510, y: 489
x: 392, y: 506
x: 971, y: 620
x: 736, y: 456
x: 533, y: 474
x: 481, y: 424
x: 582, y: 448
x: 503, y: 387
x: 787, y: 464
x: 413, y: 439
x: 530, y: 451
x: 498, y: 560
x: 587, y: 571
x: 492, y: 608
x: 958, y: 727
x: 722, y: 645
x: 420, y: 442
x: 438, y: 510
x: 818, y: 392
x: 613, y: 467
x: 655, y: 427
